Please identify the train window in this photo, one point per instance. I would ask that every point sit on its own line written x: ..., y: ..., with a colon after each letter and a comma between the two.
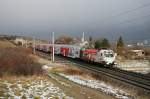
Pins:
x: 109, y: 55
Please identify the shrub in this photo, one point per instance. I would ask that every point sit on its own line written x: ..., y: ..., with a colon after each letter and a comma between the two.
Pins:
x: 17, y: 61
x: 74, y: 71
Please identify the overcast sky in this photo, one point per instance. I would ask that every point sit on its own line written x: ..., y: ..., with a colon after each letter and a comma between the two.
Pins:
x: 99, y: 18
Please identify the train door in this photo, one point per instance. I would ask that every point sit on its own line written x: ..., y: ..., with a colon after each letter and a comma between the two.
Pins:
x: 77, y: 52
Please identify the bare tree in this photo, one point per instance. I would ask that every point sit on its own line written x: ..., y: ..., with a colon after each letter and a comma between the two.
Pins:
x: 64, y: 40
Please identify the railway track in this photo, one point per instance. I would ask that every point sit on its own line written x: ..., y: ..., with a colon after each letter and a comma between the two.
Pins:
x: 138, y: 80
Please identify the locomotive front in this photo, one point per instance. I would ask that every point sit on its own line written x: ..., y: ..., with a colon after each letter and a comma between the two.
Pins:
x: 108, y: 57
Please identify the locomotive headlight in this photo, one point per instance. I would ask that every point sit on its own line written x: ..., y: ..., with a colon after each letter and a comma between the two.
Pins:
x: 109, y: 60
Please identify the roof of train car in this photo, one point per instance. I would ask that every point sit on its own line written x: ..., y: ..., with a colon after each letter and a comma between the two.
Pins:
x: 65, y: 45
x: 89, y: 51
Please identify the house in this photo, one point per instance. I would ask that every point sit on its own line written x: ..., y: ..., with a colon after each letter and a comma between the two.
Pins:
x: 139, y: 53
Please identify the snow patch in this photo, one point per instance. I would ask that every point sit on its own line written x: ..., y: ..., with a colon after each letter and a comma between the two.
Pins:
x: 101, y: 86
x: 38, y: 88
x: 139, y: 66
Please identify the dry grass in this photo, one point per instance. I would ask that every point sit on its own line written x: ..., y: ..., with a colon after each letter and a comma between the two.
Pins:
x: 6, y: 44
x: 40, y: 60
x: 17, y: 61
x: 74, y: 71
x: 68, y: 70
x: 14, y: 78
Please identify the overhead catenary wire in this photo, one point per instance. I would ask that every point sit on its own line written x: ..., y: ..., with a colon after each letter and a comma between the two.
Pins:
x: 134, y: 19
x: 127, y: 21
x: 127, y: 11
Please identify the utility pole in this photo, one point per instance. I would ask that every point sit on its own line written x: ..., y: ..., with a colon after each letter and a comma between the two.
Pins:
x: 53, y: 59
x: 33, y: 44
x: 26, y: 43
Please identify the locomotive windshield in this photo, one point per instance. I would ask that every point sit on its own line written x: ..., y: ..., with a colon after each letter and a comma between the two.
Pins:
x: 108, y: 54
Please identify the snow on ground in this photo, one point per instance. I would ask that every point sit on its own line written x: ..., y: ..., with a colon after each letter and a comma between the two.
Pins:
x: 101, y: 86
x: 139, y: 66
x: 38, y: 88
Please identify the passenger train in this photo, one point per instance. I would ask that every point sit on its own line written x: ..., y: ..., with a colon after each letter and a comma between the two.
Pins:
x: 102, y: 56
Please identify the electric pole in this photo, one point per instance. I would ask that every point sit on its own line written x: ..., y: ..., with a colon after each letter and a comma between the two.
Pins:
x: 33, y: 44
x: 26, y: 43
x: 53, y: 47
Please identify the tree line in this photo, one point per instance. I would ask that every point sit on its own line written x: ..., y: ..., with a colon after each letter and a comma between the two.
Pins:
x: 97, y: 44
x: 104, y: 43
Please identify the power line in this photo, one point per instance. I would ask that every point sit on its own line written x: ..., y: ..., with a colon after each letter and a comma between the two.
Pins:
x: 128, y: 11
x: 129, y: 21
x: 135, y: 19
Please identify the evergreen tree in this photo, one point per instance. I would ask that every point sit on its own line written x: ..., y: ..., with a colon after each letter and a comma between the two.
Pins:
x: 120, y: 43
x: 120, y: 46
x: 97, y: 44
x: 90, y: 39
x: 104, y: 43
x: 91, y: 45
